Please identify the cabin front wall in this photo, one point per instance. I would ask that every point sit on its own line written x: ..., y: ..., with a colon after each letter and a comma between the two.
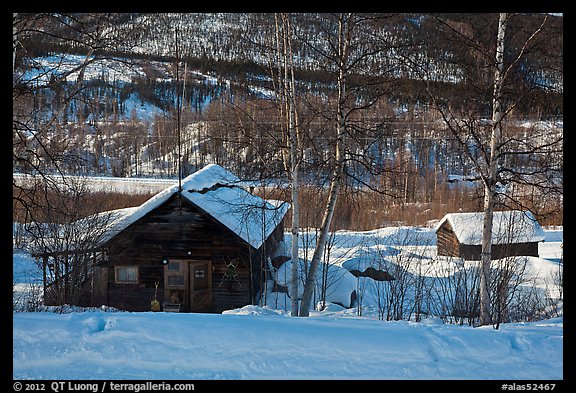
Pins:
x: 499, y: 251
x: 139, y: 257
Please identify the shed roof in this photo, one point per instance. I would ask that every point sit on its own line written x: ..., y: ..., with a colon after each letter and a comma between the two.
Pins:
x: 512, y: 226
x: 217, y: 192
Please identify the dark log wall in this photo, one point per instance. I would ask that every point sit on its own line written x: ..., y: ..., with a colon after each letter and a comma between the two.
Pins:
x: 474, y: 252
x: 447, y: 245
x: 446, y: 241
x: 99, y: 286
x: 230, y: 291
x: 470, y: 252
x: 178, y: 230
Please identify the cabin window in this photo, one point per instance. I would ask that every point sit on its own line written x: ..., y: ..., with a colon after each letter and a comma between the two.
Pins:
x: 175, y: 275
x: 174, y: 266
x: 126, y: 274
x: 175, y: 280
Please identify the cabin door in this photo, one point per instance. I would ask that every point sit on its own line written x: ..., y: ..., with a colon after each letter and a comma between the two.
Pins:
x: 200, y: 283
x: 187, y: 285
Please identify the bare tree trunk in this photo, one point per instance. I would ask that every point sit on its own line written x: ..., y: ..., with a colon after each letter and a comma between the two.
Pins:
x: 344, y: 31
x: 490, y: 180
x: 294, y: 162
x: 319, y: 250
x: 288, y: 91
x: 14, y: 41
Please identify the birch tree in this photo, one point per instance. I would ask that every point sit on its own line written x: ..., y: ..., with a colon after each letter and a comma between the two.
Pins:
x: 348, y: 51
x: 490, y: 181
x: 504, y: 160
x: 344, y: 37
x: 287, y: 90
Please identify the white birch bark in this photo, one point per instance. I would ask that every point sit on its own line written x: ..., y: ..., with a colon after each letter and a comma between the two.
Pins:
x: 288, y: 91
x: 14, y: 40
x: 344, y: 31
x: 491, y: 179
x: 294, y: 165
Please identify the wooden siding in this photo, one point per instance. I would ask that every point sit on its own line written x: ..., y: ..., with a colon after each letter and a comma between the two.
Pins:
x: 448, y: 245
x: 499, y: 251
x: 446, y: 241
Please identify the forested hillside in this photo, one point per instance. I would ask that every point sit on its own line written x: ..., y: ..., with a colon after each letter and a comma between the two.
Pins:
x: 149, y: 95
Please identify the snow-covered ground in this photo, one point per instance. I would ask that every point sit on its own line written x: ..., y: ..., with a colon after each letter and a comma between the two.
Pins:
x: 265, y: 343
x: 261, y: 343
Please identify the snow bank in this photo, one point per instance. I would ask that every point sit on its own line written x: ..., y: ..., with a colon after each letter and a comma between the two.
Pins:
x: 341, y: 284
x: 260, y: 345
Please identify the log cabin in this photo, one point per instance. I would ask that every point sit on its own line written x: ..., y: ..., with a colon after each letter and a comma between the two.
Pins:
x: 198, y: 246
x: 514, y: 233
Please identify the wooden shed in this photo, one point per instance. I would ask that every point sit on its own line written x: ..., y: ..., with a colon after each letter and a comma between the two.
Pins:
x: 514, y: 233
x: 197, y: 246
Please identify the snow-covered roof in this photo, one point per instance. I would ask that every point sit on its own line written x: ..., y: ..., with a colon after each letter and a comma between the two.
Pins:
x: 217, y: 192
x: 512, y: 226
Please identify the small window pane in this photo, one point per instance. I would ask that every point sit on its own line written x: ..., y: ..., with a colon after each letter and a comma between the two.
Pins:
x: 174, y: 266
x: 175, y: 281
x: 127, y: 274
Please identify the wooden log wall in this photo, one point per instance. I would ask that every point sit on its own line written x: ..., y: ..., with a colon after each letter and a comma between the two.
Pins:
x: 447, y: 242
x: 499, y: 251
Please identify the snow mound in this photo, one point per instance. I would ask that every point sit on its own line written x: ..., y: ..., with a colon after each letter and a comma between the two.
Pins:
x: 364, y: 257
x: 254, y: 310
x: 340, y: 283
